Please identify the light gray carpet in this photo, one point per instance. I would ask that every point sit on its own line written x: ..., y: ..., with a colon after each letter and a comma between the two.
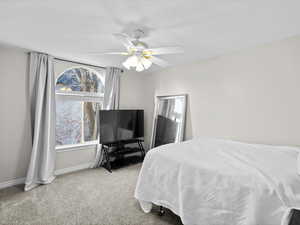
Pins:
x: 89, y: 197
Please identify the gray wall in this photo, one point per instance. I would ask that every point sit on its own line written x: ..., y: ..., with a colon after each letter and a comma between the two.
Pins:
x: 250, y: 95
x: 15, y: 137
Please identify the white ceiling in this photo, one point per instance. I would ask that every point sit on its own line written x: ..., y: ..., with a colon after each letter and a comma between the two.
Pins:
x: 204, y: 28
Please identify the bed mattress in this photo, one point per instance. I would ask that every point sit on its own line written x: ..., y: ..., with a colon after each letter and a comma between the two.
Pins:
x: 220, y: 182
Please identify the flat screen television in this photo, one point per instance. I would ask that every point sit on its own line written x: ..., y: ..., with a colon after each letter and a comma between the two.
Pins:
x: 121, y: 125
x: 166, y: 131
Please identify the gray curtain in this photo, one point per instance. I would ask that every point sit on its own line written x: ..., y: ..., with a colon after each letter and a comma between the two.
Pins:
x: 111, y: 101
x: 112, y: 88
x: 42, y: 98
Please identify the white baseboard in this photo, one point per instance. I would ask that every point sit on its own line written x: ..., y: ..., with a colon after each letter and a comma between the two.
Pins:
x: 21, y: 180
x: 73, y: 169
x: 12, y: 182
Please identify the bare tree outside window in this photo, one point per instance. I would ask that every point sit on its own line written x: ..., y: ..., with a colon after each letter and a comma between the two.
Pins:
x: 79, y: 94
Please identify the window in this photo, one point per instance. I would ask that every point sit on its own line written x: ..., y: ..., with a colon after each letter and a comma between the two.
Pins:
x: 79, y: 95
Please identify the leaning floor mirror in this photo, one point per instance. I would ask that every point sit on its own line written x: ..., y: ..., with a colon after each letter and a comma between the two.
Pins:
x: 169, y: 120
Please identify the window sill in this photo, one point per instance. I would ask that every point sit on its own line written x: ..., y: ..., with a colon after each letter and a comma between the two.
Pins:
x: 76, y: 147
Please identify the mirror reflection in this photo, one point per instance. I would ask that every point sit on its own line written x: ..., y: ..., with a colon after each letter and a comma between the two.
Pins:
x: 169, y: 120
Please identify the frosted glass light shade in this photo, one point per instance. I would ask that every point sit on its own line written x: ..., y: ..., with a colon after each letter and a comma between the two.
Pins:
x: 140, y: 63
x: 146, y: 63
x: 139, y: 67
x: 126, y: 65
x: 131, y: 61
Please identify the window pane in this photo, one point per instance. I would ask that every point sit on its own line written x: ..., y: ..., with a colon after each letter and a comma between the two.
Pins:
x: 68, y: 122
x: 81, y: 79
x: 75, y: 121
x: 75, y: 115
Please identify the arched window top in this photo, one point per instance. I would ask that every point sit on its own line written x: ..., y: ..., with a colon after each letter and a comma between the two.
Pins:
x: 80, y: 79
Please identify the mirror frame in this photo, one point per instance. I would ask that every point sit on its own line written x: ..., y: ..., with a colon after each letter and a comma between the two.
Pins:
x: 156, y: 107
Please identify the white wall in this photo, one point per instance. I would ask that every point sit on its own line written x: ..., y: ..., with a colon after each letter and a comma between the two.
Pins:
x: 250, y: 95
x: 15, y: 137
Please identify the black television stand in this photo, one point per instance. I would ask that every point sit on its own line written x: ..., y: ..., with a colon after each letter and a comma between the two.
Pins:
x: 117, y: 149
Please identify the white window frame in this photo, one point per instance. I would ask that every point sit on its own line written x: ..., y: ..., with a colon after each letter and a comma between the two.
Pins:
x: 83, y: 97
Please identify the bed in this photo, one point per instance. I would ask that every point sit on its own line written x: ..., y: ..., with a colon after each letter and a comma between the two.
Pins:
x: 221, y: 182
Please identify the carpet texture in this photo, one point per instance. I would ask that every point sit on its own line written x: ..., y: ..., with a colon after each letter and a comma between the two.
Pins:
x: 89, y: 197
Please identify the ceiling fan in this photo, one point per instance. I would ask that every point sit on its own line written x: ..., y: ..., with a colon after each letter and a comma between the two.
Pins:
x: 140, y: 56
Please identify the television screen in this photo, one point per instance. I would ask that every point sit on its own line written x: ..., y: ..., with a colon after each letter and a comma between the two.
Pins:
x: 166, y: 131
x: 118, y: 125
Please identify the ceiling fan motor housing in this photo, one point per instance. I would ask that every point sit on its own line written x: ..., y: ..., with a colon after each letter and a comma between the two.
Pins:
x: 139, y: 45
x: 138, y: 33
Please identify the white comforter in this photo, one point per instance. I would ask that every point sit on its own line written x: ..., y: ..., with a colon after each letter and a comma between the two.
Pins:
x: 219, y: 182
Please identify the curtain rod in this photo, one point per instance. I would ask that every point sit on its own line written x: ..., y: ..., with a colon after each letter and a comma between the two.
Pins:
x: 85, y: 64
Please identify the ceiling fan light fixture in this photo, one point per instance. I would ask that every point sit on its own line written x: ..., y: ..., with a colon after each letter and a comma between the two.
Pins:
x: 131, y: 61
x: 127, y: 64
x: 139, y: 63
x: 140, y: 56
x: 146, y: 63
x: 140, y: 67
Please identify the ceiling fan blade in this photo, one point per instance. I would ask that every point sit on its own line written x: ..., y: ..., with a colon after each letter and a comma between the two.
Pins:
x: 125, y: 40
x: 108, y: 53
x: 158, y: 61
x: 165, y: 50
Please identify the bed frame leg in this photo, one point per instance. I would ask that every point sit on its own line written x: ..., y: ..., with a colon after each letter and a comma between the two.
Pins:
x: 161, y: 211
